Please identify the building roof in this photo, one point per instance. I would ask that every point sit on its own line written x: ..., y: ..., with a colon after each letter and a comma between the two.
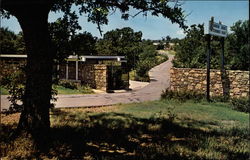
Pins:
x: 85, y: 58
x: 13, y: 55
x: 74, y: 57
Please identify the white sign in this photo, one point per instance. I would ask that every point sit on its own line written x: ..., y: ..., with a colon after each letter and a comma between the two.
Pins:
x: 217, y: 29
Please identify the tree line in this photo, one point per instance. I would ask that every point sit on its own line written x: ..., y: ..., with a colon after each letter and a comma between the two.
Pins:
x: 140, y: 53
x: 191, y: 51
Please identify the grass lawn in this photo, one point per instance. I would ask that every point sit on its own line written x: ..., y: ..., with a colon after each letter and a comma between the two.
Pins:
x: 172, y: 52
x: 3, y: 91
x: 61, y: 90
x: 81, y: 90
x: 154, y: 130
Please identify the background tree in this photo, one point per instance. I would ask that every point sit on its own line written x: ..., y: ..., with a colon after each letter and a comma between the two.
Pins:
x: 237, y: 46
x: 167, y: 41
x: 175, y: 40
x: 33, y: 18
x: 192, y: 53
x: 62, y: 32
x: 10, y: 42
x: 83, y: 44
x: 121, y: 42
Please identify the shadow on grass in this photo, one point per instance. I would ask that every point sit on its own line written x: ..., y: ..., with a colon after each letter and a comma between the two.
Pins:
x: 123, y: 136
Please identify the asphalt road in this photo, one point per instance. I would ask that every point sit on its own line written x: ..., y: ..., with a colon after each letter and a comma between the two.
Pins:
x: 159, y: 81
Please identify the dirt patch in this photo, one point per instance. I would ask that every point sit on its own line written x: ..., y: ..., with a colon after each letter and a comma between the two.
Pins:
x: 10, y: 119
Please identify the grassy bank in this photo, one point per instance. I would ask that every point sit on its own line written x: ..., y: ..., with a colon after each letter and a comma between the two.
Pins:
x: 153, y: 130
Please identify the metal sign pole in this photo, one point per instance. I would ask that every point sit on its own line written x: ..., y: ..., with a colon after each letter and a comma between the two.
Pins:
x: 208, y: 66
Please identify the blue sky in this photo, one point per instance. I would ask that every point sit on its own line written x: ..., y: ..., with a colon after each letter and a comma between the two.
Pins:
x: 228, y: 12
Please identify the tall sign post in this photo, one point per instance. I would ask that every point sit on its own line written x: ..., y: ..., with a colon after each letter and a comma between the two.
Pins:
x: 219, y: 30
x: 208, y: 66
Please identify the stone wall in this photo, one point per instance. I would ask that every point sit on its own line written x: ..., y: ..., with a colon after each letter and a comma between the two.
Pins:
x: 94, y: 75
x: 234, y: 84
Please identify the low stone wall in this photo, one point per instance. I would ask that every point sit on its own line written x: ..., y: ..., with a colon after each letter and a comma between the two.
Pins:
x: 232, y: 83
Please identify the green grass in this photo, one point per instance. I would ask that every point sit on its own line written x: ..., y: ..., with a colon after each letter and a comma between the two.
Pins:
x: 132, y: 75
x: 220, y: 113
x: 80, y: 90
x: 3, y: 91
x: 151, y: 130
x: 61, y: 90
x: 172, y: 52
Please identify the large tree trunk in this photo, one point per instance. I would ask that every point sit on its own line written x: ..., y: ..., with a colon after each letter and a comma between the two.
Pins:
x: 34, y: 119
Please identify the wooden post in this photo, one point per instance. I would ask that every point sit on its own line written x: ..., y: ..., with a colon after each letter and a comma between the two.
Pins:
x: 208, y: 66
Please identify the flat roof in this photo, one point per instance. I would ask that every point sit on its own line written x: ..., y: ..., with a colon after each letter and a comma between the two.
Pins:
x: 86, y: 57
x: 73, y: 57
x: 13, y: 55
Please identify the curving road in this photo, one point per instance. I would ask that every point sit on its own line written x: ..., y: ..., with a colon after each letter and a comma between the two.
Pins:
x: 160, y: 80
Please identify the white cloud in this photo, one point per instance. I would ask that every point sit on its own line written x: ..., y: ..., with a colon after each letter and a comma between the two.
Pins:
x: 180, y: 32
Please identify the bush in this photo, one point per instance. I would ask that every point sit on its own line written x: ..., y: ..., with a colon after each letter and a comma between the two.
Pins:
x: 241, y: 104
x: 14, y: 83
x: 143, y: 67
x: 68, y: 84
x: 182, y: 95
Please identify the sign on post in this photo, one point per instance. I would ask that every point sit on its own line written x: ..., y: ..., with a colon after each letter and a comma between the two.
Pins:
x: 217, y: 29
x: 220, y: 30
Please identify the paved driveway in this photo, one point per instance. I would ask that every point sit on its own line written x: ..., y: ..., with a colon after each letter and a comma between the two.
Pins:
x: 160, y: 79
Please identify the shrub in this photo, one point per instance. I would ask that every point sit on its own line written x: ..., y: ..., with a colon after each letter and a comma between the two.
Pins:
x: 241, y: 104
x: 68, y: 84
x: 14, y: 83
x: 182, y: 95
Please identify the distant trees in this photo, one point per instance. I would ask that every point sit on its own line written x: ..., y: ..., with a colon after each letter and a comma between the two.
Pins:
x: 191, y: 51
x: 66, y: 41
x: 147, y: 59
x: 237, y: 46
x: 83, y: 44
x: 121, y: 42
x: 10, y: 42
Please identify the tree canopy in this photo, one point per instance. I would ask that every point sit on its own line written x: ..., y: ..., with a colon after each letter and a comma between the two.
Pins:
x: 237, y: 46
x: 192, y: 52
x: 121, y: 42
x: 11, y: 43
